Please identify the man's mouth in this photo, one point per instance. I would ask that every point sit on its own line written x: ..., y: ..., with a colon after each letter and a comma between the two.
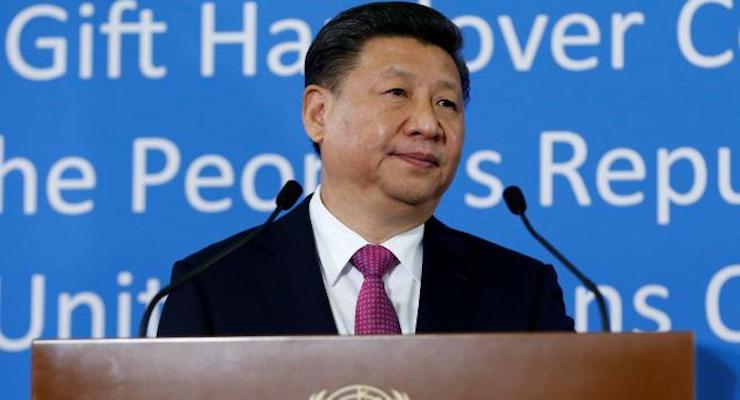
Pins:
x: 423, y: 160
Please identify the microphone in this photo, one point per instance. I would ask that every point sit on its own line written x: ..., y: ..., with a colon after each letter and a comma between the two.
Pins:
x: 518, y: 205
x: 288, y: 195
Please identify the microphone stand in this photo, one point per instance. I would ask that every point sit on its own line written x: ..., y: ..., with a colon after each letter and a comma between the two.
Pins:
x: 285, y: 199
x: 603, y: 315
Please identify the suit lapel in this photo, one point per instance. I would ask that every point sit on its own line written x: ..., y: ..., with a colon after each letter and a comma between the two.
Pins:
x: 448, y: 283
x: 290, y: 276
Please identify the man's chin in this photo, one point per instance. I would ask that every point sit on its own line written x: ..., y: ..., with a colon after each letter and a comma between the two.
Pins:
x: 413, y: 195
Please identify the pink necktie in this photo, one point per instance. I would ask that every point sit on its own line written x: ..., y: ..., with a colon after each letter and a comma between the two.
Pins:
x: 374, y: 314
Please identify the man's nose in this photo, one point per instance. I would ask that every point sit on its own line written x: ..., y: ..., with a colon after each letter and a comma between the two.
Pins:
x: 424, y: 122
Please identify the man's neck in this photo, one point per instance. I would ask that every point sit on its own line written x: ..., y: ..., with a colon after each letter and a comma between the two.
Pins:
x: 374, y: 217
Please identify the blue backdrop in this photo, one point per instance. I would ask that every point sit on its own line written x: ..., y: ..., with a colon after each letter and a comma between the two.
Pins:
x: 134, y: 133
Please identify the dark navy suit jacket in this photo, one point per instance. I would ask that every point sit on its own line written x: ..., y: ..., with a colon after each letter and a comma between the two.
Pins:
x: 273, y: 286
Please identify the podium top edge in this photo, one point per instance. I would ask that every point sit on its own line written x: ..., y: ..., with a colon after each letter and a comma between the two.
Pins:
x: 311, y: 338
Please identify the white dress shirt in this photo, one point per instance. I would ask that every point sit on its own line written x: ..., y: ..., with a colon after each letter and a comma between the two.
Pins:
x: 337, y: 243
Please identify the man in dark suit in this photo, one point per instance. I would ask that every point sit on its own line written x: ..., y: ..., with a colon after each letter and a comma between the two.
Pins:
x: 384, y: 105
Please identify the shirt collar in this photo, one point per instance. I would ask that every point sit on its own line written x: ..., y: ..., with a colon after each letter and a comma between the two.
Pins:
x: 341, y: 242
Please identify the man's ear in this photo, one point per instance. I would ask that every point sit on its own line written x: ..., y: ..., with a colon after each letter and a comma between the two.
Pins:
x: 316, y: 102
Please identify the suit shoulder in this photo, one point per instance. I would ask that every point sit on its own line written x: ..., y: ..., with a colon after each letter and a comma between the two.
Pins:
x: 276, y: 232
x: 214, y: 248
x: 481, y: 247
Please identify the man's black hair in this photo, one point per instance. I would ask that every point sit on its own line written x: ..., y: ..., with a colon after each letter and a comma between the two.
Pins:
x: 338, y: 44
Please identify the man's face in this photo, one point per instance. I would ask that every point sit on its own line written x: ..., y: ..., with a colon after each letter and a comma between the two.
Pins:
x: 395, y: 127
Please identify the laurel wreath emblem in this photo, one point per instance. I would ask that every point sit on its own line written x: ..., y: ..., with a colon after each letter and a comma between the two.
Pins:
x: 359, y: 392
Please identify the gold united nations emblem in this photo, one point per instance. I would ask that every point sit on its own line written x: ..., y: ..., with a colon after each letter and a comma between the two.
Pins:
x: 359, y: 392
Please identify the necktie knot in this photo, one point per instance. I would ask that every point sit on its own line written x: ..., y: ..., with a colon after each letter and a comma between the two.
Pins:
x: 374, y: 261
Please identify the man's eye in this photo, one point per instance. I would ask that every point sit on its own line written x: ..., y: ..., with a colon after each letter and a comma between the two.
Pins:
x: 448, y: 104
x: 396, y: 92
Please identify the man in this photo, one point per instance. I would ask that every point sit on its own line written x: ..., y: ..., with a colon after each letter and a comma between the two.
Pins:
x: 384, y: 104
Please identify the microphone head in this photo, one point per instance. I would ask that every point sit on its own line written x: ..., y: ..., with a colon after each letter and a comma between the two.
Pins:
x: 515, y: 200
x: 288, y: 195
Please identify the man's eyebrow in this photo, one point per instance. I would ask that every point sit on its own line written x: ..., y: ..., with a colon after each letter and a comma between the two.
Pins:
x: 447, y: 84
x: 400, y: 72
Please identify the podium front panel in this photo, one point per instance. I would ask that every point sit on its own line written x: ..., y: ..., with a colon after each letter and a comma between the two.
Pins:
x: 422, y: 367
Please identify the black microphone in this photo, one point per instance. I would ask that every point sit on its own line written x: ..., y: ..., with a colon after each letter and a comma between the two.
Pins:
x: 517, y: 205
x: 289, y: 194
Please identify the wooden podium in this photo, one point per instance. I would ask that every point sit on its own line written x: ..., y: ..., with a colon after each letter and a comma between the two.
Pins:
x: 496, y: 366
